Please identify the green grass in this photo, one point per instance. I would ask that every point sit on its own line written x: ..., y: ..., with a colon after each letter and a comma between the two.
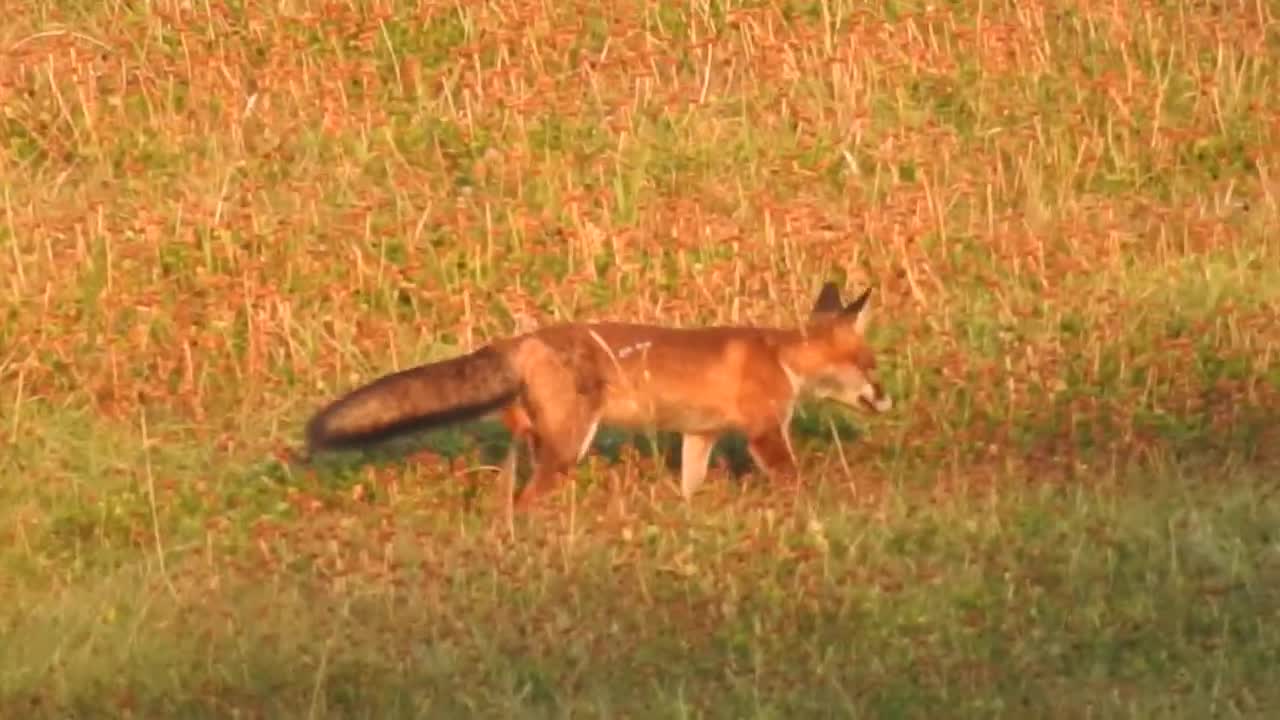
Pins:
x: 216, y: 217
x: 1146, y: 591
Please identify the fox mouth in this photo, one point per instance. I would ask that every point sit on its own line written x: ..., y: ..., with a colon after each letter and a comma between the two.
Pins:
x: 873, y: 399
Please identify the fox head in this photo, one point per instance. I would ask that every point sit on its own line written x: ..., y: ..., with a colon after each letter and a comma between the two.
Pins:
x: 834, y: 360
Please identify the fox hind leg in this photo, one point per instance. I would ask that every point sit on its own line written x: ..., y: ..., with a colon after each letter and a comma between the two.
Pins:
x: 563, y: 400
x: 560, y: 435
x: 554, y: 454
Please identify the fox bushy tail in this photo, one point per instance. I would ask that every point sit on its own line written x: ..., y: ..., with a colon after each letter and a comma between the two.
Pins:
x: 454, y: 390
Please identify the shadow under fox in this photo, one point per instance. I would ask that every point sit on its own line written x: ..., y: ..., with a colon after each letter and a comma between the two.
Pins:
x: 555, y: 386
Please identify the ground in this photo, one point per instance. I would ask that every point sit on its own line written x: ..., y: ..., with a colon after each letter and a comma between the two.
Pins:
x: 215, y: 217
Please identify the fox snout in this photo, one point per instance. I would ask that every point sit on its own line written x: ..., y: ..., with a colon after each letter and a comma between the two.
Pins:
x: 873, y: 396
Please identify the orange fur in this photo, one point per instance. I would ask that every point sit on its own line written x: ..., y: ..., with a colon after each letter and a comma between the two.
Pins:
x: 556, y: 385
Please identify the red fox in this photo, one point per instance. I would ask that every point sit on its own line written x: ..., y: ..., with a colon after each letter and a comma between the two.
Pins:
x: 556, y: 385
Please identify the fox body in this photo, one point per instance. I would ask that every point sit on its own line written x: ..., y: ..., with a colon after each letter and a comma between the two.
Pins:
x: 555, y: 386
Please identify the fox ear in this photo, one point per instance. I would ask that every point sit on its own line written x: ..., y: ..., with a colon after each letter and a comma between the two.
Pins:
x: 858, y: 311
x: 828, y: 300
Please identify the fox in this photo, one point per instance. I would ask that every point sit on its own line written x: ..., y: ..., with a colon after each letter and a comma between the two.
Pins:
x: 555, y: 386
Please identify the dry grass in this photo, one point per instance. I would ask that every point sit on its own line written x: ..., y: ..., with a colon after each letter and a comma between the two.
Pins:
x: 213, y: 219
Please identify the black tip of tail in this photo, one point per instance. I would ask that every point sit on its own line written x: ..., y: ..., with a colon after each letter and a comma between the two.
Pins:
x: 318, y: 438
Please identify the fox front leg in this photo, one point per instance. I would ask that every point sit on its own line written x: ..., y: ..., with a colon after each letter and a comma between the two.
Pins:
x: 771, y: 449
x: 695, y: 451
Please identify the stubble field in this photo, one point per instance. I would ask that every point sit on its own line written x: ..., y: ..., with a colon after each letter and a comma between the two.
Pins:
x: 215, y: 216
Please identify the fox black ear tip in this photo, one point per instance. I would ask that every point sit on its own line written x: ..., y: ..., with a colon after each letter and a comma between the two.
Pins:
x: 859, y: 303
x: 828, y: 299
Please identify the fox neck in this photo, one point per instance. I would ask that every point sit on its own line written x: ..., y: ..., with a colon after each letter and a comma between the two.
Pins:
x: 799, y: 385
x: 795, y: 359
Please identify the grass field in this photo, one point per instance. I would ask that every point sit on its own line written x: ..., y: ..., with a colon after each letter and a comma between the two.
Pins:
x: 216, y: 216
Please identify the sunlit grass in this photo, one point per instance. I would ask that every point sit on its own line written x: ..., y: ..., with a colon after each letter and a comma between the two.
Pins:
x: 213, y: 219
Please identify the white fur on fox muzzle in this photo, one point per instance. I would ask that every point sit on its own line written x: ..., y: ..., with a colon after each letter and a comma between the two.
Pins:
x: 871, y: 395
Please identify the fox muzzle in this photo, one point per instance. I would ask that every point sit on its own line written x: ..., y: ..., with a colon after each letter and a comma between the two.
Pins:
x: 873, y: 397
